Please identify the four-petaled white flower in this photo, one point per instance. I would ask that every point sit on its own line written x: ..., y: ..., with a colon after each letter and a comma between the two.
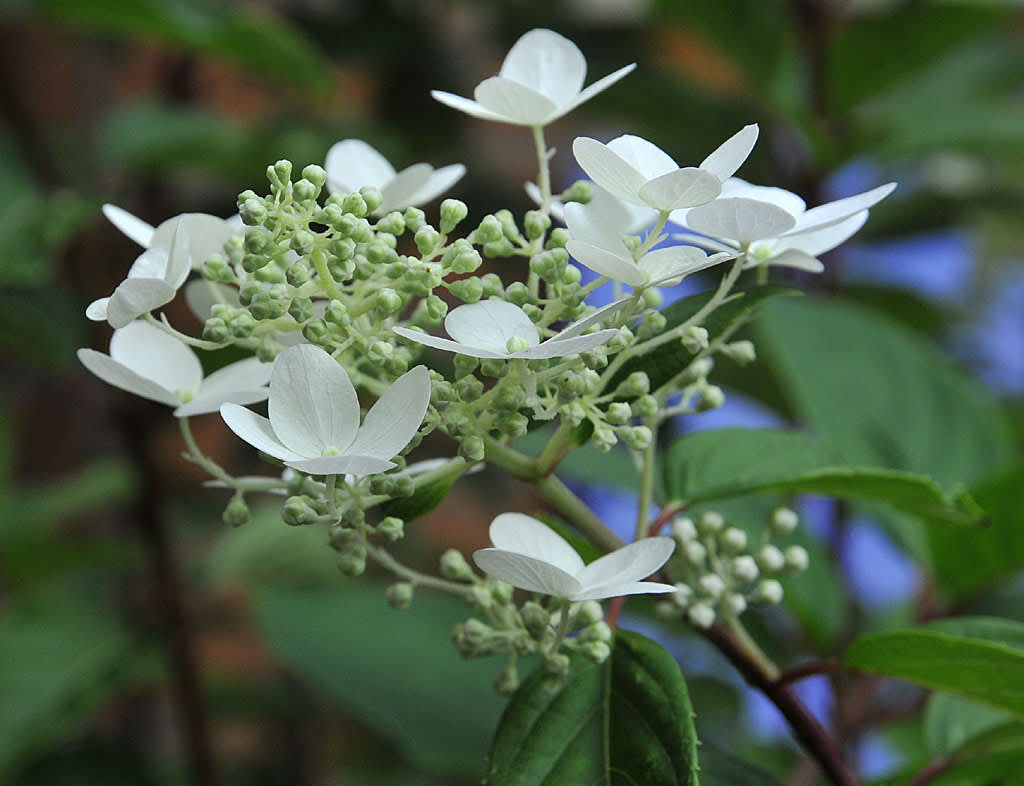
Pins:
x: 529, y: 555
x: 540, y: 80
x: 314, y: 416
x: 641, y: 173
x: 497, y: 329
x: 352, y: 164
x: 774, y: 226
x: 172, y: 250
x: 148, y: 362
x: 596, y: 240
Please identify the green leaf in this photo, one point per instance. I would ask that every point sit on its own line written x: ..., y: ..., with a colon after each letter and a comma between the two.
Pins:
x: 979, y: 658
x: 951, y: 722
x: 628, y: 721
x: 670, y: 358
x: 718, y: 768
x: 251, y: 38
x: 725, y: 463
x: 396, y: 671
x: 586, y: 463
x: 423, y: 501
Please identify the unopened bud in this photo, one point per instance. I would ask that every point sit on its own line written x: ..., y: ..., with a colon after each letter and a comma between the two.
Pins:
x: 453, y: 211
x: 701, y: 615
x: 797, y: 558
x: 742, y: 352
x: 619, y: 413
x: 236, y: 513
x: 784, y: 521
x: 712, y: 397
x: 713, y: 585
x: 710, y: 521
x: 733, y: 540
x: 768, y: 591
x: 298, y: 511
x: 455, y: 567
x: 770, y: 559
x: 391, y: 529
x: 745, y: 568
x: 372, y: 197
x: 683, y: 529
x: 399, y: 595
x: 507, y: 681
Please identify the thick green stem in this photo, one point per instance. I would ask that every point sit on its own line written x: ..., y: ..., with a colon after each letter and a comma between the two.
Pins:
x: 414, y: 577
x: 543, y: 169
x: 643, y: 510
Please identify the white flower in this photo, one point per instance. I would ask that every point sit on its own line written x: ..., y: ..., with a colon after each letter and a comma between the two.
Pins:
x: 497, y: 329
x: 596, y: 240
x: 529, y: 555
x: 640, y: 217
x: 148, y: 362
x: 540, y: 80
x: 314, y: 416
x: 774, y: 226
x: 352, y: 164
x: 172, y: 250
x: 641, y: 173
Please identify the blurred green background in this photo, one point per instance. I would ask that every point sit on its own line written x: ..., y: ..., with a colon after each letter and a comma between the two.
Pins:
x: 144, y: 642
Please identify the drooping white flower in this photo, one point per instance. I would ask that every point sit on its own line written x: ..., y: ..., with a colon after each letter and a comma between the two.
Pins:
x: 352, y: 164
x: 148, y: 362
x: 774, y: 226
x: 529, y: 555
x: 497, y: 329
x: 208, y: 233
x: 314, y: 416
x: 540, y: 80
x: 641, y: 173
x: 597, y: 232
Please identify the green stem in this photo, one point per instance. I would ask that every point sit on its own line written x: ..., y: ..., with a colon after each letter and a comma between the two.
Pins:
x: 576, y: 512
x: 414, y: 577
x: 543, y: 169
x: 753, y: 649
x: 324, y: 274
x: 517, y: 464
x: 559, y: 444
x: 165, y: 326
x: 198, y: 457
x: 563, y: 626
x: 643, y: 511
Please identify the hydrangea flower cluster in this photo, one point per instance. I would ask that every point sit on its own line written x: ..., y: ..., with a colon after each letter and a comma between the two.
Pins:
x: 335, y: 283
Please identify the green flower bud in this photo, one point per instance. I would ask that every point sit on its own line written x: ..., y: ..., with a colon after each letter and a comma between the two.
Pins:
x: 266, y: 306
x: 517, y: 344
x: 652, y: 297
x: 362, y: 232
x: 587, y: 613
x: 242, y: 324
x: 259, y: 240
x: 298, y: 273
x: 316, y: 331
x: 493, y: 367
x: 745, y: 568
x: 499, y: 248
x: 270, y: 274
x: 618, y: 413
x: 735, y: 603
x: 636, y: 384
x: 557, y: 665
x: 427, y: 239
x: 532, y: 311
x: 599, y: 631
x: 595, y: 358
x: 571, y: 276
x: 468, y: 261
x: 701, y: 615
x: 558, y: 238
x: 253, y: 262
x: 454, y: 566
x: 315, y: 174
x: 382, y: 484
x: 695, y: 339
x: 597, y: 651
x: 604, y: 438
x: 797, y: 558
x: 575, y: 413
x: 442, y: 392
x: 404, y: 485
x: 695, y: 552
x: 280, y: 173
x: 380, y: 253
x: 299, y: 511
x: 536, y: 224
x: 414, y: 219
x: 513, y: 424
x: 510, y: 397
x: 372, y: 197
x: 453, y: 212
x: 237, y: 512
x: 472, y: 638
x: 517, y: 293
x: 492, y: 285
x: 710, y: 522
x: 393, y: 223
x: 581, y: 191
x: 399, y: 595
x: 712, y: 585
x: 305, y: 191
x: 783, y: 521
x: 508, y: 224
x: 468, y: 290
x: 465, y: 365
x: 645, y: 407
x: 653, y: 323
x: 770, y: 559
x: 711, y: 397
x: 301, y: 309
x: 215, y: 329
x: 355, y: 205
x: 436, y: 308
x: 742, y: 352
x: 768, y: 591
x: 636, y: 437
x: 472, y: 448
x: 699, y: 369
x: 380, y: 351
x: 683, y: 529
x: 536, y: 619
x: 216, y: 268
x: 391, y: 529
x: 387, y: 302
x: 683, y: 596
x: 470, y: 388
x: 733, y: 541
x: 253, y: 211
x: 352, y: 563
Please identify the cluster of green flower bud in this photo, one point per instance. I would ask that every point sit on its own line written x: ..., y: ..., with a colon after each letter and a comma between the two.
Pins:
x: 724, y: 572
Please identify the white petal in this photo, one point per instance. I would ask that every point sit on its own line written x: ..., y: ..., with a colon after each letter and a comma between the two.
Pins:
x: 526, y: 573
x: 342, y: 465
x: 672, y: 264
x: 120, y: 376
x: 467, y: 106
x: 256, y: 430
x: 155, y: 355
x: 834, y: 212
x: 742, y: 220
x: 396, y: 417
x: 97, y: 310
x: 680, y: 188
x: 601, y: 84
x: 794, y: 258
x: 205, y: 403
x: 563, y: 347
x: 489, y: 325
x: 207, y: 235
x: 400, y: 192
x: 581, y: 325
x: 645, y: 157
x: 617, y: 267
x: 313, y: 406
x: 608, y: 169
x: 525, y: 535
x: 151, y: 263
x: 547, y: 62
x: 179, y: 256
x: 630, y: 563
x: 515, y: 102
x: 440, y: 181
x: 247, y: 374
x: 787, y: 200
x: 352, y: 164
x: 446, y: 344
x: 818, y: 241
x: 731, y: 154
x: 131, y: 226
x: 603, y: 221
x: 615, y: 590
x: 136, y: 296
